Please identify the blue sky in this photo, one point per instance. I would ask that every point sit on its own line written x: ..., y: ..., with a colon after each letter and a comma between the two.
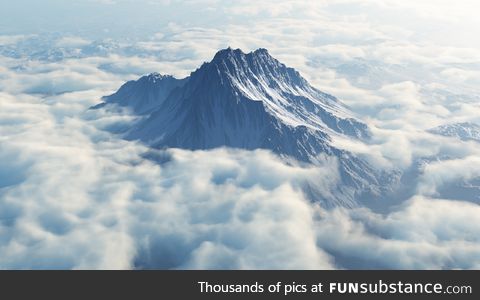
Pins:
x: 437, y: 20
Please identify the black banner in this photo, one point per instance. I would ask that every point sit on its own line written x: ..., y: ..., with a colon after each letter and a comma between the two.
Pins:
x: 241, y: 284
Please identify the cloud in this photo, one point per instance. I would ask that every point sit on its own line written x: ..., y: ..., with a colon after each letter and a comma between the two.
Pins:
x: 424, y: 233
x: 72, y: 41
x: 97, y: 199
x: 75, y: 196
x: 105, y: 206
x: 440, y: 173
x: 12, y: 39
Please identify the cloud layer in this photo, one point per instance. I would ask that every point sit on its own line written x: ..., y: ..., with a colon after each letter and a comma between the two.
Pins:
x: 75, y: 196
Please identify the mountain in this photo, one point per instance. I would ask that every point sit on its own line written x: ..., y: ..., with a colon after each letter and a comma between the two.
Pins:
x: 464, y: 131
x: 252, y: 101
x: 144, y: 94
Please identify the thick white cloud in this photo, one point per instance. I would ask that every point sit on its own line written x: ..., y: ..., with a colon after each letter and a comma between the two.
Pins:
x: 423, y: 234
x: 437, y: 174
x: 72, y: 41
x: 74, y: 196
x: 12, y: 39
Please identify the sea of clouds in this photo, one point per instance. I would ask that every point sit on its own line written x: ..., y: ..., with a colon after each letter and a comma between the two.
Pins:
x: 75, y: 196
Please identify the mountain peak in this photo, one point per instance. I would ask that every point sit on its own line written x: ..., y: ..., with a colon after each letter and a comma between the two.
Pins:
x: 239, y: 54
x: 261, y: 51
x: 248, y: 101
x: 256, y: 68
x: 155, y: 77
x: 144, y: 94
x: 228, y: 53
x: 466, y: 131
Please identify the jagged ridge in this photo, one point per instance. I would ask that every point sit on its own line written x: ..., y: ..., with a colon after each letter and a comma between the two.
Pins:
x: 250, y: 101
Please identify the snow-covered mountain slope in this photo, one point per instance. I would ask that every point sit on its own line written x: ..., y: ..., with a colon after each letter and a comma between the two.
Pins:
x: 252, y: 101
x: 464, y: 131
x: 144, y: 94
x: 237, y: 94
